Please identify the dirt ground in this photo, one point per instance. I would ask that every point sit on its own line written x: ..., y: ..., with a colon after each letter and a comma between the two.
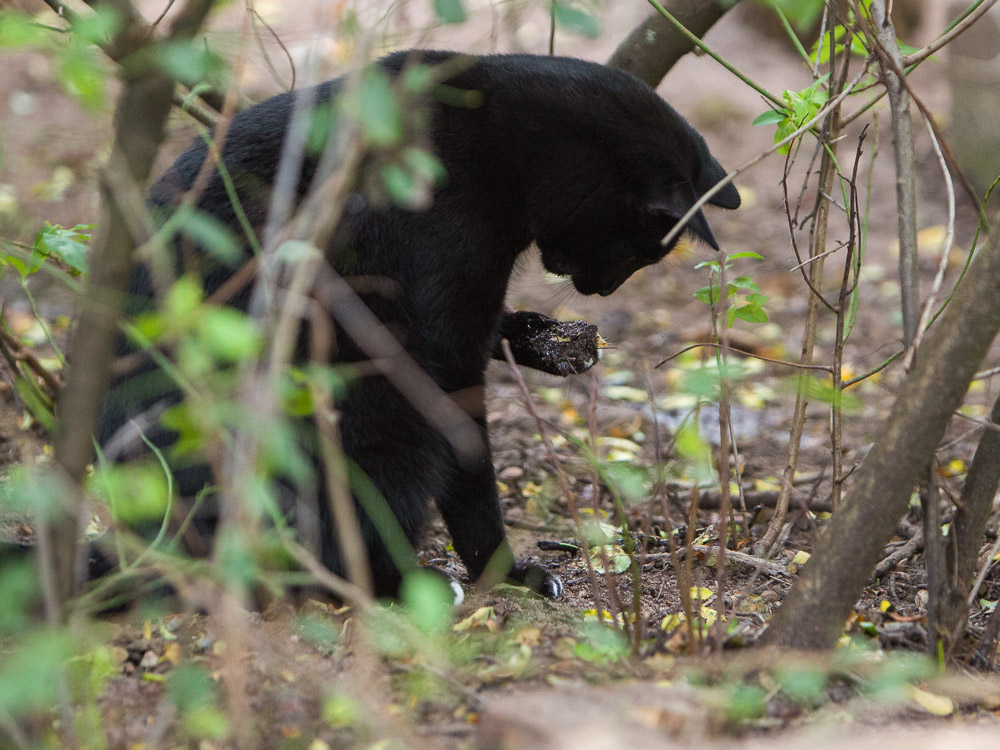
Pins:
x: 51, y: 151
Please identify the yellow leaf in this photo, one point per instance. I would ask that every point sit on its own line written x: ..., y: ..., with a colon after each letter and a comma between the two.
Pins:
x: 708, y: 615
x: 529, y: 636
x: 672, y: 621
x: 626, y: 393
x: 939, y: 705
x: 172, y: 653
x: 590, y: 615
x: 622, y: 444
x: 953, y: 468
x: 771, y: 484
x: 569, y: 416
x: 801, y: 557
x: 484, y: 617
x: 702, y: 594
x: 618, y: 560
x: 530, y: 489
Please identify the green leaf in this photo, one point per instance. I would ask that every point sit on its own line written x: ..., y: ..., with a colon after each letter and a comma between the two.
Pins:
x: 744, y: 282
x: 771, y: 117
x: 296, y: 398
x: 19, y: 30
x: 627, y: 480
x: 803, y: 683
x: 744, y: 254
x: 424, y: 165
x: 575, y: 19
x: 20, y: 592
x: 189, y: 61
x: 134, y: 492
x: 31, y: 672
x: 98, y: 26
x: 66, y: 245
x: 695, y: 449
x: 81, y: 74
x: 19, y: 266
x: 207, y: 722
x: 707, y: 294
x: 418, y: 78
x: 319, y: 631
x: 820, y: 389
x: 216, y: 238
x: 234, y: 557
x: 182, y: 299
x: 801, y: 13
x: 379, y: 113
x: 180, y: 419
x: 341, y: 710
x: 750, y: 313
x: 601, y: 644
x: 742, y: 702
x: 450, y: 11
x: 228, y: 334
x: 322, y: 123
x: 429, y: 599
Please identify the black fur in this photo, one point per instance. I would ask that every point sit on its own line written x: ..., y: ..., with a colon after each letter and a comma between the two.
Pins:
x: 586, y: 161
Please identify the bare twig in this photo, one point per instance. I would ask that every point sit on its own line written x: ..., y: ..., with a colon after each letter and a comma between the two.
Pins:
x: 804, y: 128
x: 830, y: 130
x: 973, y: 14
x: 20, y: 353
x: 741, y: 558
x: 905, y: 551
x: 945, y: 245
x: 796, y: 365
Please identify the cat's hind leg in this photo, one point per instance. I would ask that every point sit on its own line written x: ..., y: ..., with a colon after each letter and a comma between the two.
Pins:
x: 470, y: 506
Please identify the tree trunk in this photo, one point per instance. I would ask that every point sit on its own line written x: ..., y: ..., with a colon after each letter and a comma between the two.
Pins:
x: 968, y: 529
x: 139, y: 120
x: 652, y: 48
x: 813, y: 614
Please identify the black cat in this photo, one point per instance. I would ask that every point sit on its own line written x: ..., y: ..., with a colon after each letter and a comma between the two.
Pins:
x: 586, y: 162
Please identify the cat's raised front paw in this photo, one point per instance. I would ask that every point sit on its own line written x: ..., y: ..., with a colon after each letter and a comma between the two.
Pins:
x: 529, y: 573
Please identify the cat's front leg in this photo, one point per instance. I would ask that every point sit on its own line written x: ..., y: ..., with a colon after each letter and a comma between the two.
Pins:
x: 548, y: 345
x: 470, y: 506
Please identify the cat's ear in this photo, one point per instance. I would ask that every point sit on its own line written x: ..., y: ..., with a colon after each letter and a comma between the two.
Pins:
x: 711, y: 173
x: 674, y: 205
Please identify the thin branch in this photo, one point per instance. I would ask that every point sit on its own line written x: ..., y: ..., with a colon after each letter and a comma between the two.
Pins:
x: 51, y: 380
x: 945, y: 245
x: 890, y: 64
x: 976, y: 11
x: 805, y: 127
x: 694, y: 40
x: 797, y: 365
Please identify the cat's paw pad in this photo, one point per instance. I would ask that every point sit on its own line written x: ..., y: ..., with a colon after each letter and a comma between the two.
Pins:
x: 529, y: 573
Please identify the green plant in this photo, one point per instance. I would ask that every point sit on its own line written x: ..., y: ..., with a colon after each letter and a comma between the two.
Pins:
x: 741, y: 298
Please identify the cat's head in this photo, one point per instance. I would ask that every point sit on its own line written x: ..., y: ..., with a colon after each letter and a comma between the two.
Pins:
x: 628, y: 173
